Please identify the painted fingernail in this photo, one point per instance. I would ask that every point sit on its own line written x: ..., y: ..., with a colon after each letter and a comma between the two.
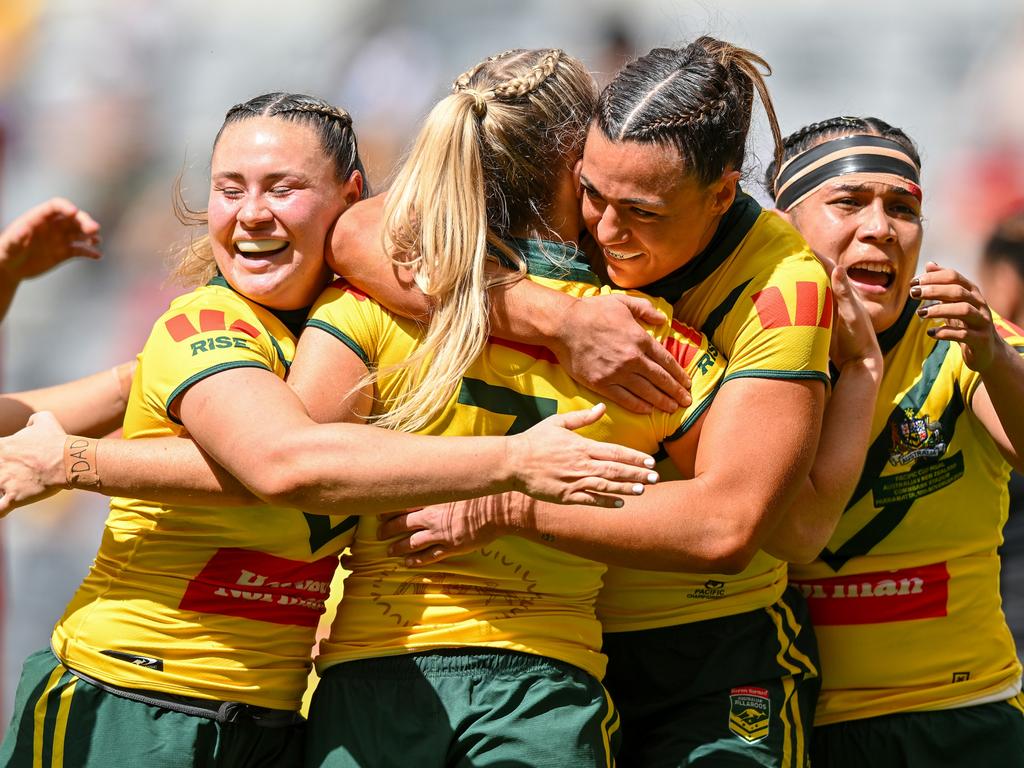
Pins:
x: 915, y: 281
x: 619, y: 502
x: 932, y: 331
x: 915, y: 292
x: 922, y: 311
x: 652, y: 477
x: 638, y: 488
x: 649, y: 462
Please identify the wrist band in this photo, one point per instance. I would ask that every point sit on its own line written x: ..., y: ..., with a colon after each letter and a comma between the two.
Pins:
x: 80, y: 469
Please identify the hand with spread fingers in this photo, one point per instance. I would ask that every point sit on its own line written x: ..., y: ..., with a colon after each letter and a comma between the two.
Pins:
x: 552, y: 463
x: 965, y: 314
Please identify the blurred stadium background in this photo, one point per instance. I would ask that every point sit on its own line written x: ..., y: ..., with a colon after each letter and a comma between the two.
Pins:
x: 106, y: 101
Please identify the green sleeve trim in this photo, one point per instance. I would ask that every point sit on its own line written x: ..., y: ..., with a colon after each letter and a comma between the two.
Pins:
x: 344, y: 338
x: 202, y: 375
x: 280, y: 353
x: 685, y: 426
x: 760, y: 373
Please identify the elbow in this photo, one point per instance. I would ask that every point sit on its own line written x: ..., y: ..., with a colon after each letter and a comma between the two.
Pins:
x: 732, y: 551
x: 276, y: 478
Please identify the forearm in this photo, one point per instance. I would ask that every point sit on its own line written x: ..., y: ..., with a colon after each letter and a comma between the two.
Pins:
x: 1004, y: 384
x: 807, y: 525
x: 528, y: 312
x: 660, y: 530
x: 170, y: 470
x: 322, y: 468
x: 92, y: 406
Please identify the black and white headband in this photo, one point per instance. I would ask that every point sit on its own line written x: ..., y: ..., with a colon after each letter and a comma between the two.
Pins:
x: 802, y: 175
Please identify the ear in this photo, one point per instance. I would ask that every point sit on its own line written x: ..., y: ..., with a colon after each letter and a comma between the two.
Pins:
x: 352, y: 189
x: 577, y: 168
x: 723, y: 192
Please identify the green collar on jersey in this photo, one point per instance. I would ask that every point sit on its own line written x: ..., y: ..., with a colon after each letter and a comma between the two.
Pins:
x: 733, y: 227
x: 292, y: 319
x: 547, y: 258
x: 888, y: 338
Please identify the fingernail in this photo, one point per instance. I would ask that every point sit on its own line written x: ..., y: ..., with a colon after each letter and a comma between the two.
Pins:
x: 915, y: 280
x: 915, y: 292
x: 619, y: 502
x: 932, y: 331
x: 922, y: 311
x: 649, y: 462
x: 638, y: 488
x: 652, y: 477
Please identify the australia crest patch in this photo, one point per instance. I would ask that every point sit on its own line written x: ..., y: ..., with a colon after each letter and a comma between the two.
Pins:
x: 749, y: 713
x: 915, y: 437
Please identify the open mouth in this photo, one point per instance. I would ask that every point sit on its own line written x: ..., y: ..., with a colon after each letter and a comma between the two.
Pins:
x: 874, y: 274
x: 618, y: 256
x: 260, y: 248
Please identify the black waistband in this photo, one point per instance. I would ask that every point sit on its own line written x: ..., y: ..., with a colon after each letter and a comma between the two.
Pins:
x: 211, y: 709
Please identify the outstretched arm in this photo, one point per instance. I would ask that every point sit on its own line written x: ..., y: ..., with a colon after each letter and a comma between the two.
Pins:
x: 714, y: 522
x: 40, y: 239
x: 91, y: 406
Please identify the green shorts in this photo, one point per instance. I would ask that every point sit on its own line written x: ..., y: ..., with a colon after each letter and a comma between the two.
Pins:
x: 733, y: 691
x: 460, y: 708
x: 966, y: 737
x: 61, y: 720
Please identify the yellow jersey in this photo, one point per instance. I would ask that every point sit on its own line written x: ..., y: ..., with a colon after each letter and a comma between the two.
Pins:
x: 905, y: 597
x: 763, y: 299
x: 512, y: 593
x: 210, y: 602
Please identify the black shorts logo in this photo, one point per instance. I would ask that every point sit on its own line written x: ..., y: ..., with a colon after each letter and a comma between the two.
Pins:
x: 139, y: 661
x: 749, y: 713
x: 961, y: 677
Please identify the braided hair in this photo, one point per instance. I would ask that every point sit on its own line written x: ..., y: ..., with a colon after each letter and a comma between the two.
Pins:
x: 485, y: 166
x: 698, y: 98
x: 811, y: 135
x: 332, y: 124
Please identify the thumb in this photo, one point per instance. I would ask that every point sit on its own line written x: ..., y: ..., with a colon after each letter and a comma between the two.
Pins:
x: 642, y: 310
x: 578, y: 419
x: 43, y: 419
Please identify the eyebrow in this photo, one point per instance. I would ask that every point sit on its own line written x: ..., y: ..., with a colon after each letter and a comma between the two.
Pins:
x: 585, y: 182
x: 866, y: 188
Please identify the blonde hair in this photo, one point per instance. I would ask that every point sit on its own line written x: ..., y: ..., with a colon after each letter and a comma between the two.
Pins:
x: 483, y: 166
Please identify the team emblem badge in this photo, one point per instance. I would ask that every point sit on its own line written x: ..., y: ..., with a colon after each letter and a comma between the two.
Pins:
x: 749, y: 713
x: 915, y: 438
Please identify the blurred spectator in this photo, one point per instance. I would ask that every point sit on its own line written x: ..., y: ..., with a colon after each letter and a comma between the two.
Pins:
x: 1002, y: 283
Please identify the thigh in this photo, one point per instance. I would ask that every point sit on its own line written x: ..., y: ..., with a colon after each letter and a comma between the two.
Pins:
x: 547, y: 714
x: 966, y: 737
x: 61, y: 720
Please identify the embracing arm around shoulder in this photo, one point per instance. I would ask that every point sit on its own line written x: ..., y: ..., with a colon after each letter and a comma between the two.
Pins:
x: 753, y: 451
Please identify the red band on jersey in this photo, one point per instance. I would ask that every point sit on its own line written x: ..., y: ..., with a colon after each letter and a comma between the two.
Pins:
x: 254, y: 585
x: 878, y: 598
x: 211, y: 320
x: 536, y: 352
x: 244, y: 327
x: 771, y: 308
x: 1006, y: 329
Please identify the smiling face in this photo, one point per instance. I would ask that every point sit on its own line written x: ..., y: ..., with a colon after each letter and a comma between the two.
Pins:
x: 871, y: 226
x: 273, y: 199
x: 648, y: 214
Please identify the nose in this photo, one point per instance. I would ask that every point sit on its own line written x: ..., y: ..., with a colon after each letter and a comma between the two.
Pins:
x: 610, y: 229
x: 254, y: 211
x: 876, y: 224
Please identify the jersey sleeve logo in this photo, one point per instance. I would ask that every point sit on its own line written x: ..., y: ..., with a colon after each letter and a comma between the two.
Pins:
x: 774, y: 312
x: 181, y: 328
